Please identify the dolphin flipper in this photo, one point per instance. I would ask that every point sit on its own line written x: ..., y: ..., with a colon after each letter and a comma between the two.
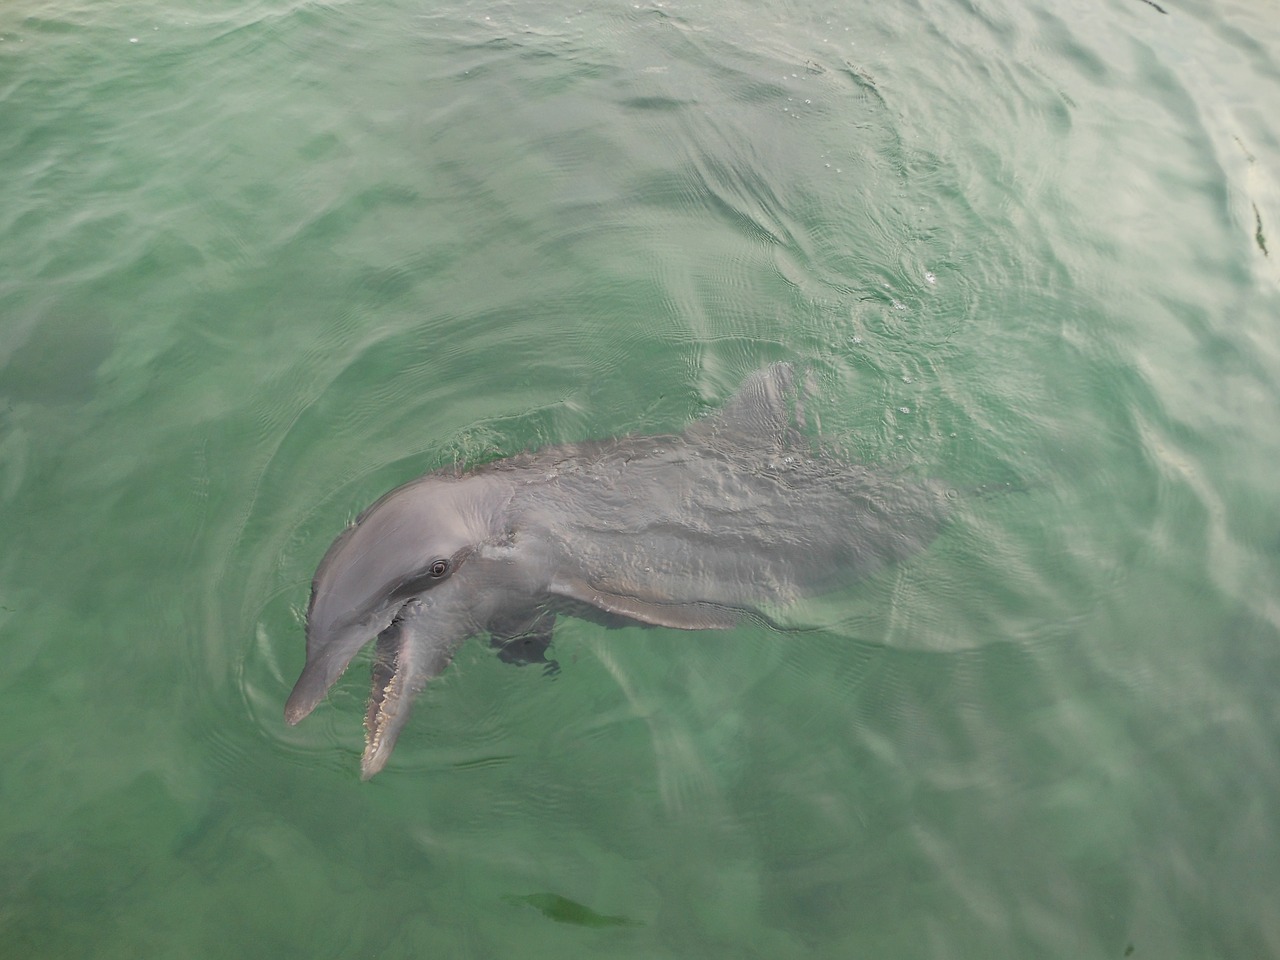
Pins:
x: 679, y: 616
x: 523, y: 637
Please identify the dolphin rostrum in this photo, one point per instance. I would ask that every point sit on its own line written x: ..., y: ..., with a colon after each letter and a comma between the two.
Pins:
x: 690, y: 531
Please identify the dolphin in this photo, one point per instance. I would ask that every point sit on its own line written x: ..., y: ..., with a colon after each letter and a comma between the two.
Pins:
x: 691, y: 531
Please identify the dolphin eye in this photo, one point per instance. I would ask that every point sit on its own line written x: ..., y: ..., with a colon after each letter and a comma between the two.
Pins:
x: 439, y: 568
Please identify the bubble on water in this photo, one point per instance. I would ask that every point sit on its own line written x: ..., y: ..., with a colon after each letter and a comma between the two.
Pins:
x: 904, y: 409
x: 906, y: 379
x: 929, y: 277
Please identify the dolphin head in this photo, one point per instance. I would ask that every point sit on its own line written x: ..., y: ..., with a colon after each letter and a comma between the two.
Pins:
x: 399, y: 574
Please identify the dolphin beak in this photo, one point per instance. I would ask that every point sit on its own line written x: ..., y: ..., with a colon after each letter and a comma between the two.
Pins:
x: 408, y: 654
x: 415, y: 642
x: 307, y: 693
x: 402, y: 665
x: 389, y: 702
x: 326, y: 660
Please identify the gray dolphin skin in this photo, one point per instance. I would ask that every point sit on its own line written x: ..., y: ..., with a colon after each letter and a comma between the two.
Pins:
x: 690, y: 531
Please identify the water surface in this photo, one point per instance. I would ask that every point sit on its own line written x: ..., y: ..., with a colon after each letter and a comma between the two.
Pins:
x: 264, y: 260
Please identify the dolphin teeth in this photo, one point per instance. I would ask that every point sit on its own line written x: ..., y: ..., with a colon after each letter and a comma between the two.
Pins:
x: 386, y: 691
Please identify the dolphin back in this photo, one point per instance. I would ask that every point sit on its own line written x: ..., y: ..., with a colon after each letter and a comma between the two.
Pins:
x: 740, y: 509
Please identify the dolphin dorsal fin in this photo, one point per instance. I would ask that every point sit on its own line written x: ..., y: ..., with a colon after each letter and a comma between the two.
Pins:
x: 767, y: 409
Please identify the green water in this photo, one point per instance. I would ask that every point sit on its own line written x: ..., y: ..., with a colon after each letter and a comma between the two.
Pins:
x: 260, y: 261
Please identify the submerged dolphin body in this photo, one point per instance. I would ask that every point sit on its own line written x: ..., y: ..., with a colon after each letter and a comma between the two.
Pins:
x: 690, y: 531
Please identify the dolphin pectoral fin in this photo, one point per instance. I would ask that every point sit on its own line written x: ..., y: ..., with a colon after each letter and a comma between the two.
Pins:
x: 523, y: 638
x: 679, y: 616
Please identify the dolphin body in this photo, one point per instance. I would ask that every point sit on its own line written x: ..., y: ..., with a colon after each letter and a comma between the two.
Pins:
x: 689, y: 531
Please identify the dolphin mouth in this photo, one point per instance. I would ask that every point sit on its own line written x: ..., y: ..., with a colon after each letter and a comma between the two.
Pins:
x: 391, y: 690
x: 415, y: 645
x: 326, y: 665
